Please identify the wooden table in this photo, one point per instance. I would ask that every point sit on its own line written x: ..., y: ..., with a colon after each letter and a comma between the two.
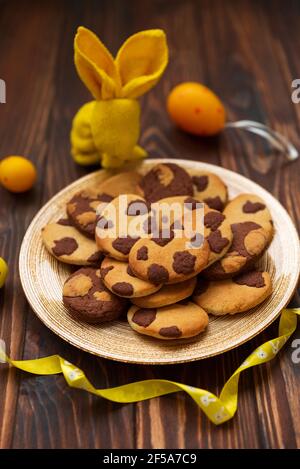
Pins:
x: 248, y: 53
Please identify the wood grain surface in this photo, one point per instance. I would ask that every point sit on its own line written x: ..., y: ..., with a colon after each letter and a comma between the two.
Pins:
x: 248, y: 53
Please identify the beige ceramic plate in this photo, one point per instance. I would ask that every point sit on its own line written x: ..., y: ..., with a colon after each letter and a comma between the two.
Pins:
x: 42, y: 278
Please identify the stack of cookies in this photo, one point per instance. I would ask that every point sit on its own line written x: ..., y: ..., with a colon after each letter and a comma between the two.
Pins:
x: 167, y: 248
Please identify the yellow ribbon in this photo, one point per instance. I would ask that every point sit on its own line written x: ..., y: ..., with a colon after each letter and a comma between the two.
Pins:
x: 218, y: 409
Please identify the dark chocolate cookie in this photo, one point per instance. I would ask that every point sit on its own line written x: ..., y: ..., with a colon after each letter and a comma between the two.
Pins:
x: 87, y: 299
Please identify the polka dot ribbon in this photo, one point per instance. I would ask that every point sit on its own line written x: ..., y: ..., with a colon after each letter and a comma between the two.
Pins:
x: 218, y: 409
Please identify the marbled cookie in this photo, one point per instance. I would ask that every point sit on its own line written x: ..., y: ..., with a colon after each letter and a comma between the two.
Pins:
x: 165, y: 180
x: 169, y: 258
x: 87, y: 299
x: 167, y: 295
x: 83, y: 206
x: 249, y: 207
x: 209, y: 188
x: 188, y: 212
x: 169, y: 212
x: 217, y: 232
x: 68, y: 245
x: 252, y: 230
x: 234, y: 295
x: 178, y: 321
x: 82, y: 210
x: 121, y: 224
x: 119, y: 278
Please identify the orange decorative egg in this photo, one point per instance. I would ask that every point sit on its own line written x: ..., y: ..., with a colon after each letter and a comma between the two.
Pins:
x: 17, y: 174
x: 196, y: 109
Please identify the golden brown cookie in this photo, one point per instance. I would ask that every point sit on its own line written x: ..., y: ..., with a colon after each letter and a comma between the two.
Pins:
x: 166, y: 211
x: 119, y: 278
x: 234, y: 295
x: 171, y: 257
x: 189, y: 212
x: 87, y: 299
x: 252, y: 230
x: 217, y: 232
x: 167, y: 295
x: 209, y: 188
x: 68, y: 245
x: 178, y: 321
x: 249, y: 207
x: 165, y: 180
x: 121, y: 224
x: 121, y: 183
x: 82, y: 209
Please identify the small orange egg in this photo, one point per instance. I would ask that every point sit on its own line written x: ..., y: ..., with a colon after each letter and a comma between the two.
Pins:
x: 196, y: 109
x: 17, y: 174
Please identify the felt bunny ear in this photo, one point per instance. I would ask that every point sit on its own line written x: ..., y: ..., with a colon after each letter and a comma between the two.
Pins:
x: 95, y: 65
x: 141, y: 61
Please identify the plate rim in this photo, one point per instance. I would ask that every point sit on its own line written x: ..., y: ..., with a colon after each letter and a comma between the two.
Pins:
x: 185, y: 162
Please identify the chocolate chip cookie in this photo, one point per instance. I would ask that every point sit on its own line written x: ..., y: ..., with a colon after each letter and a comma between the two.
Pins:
x: 87, y: 299
x: 231, y: 296
x: 178, y: 321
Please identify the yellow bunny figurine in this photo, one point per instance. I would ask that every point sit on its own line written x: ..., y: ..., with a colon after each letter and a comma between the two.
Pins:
x: 108, y: 128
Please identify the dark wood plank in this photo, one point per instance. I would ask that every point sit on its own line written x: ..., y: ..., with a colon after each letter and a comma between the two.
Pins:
x: 245, y: 51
